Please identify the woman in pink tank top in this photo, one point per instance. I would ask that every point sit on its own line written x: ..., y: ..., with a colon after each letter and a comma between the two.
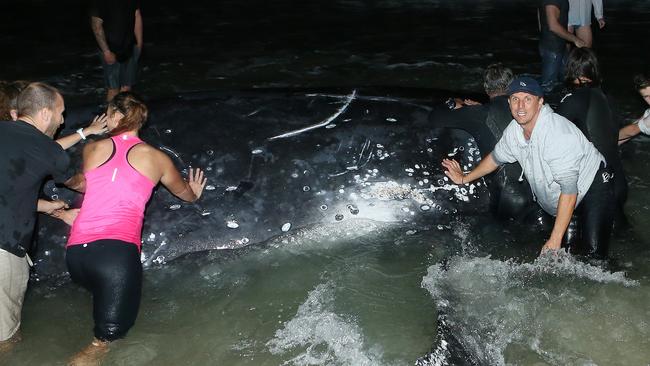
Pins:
x: 103, y: 251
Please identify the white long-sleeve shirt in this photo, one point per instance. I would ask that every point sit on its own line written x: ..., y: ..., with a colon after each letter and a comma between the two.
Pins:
x: 558, y: 158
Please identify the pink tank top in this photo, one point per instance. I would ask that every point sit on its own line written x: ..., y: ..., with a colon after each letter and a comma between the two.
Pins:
x: 115, y: 198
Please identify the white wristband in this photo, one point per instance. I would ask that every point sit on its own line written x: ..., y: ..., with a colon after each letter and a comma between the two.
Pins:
x: 81, y: 133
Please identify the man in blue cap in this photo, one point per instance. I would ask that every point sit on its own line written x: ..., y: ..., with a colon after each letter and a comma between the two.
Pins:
x: 563, y: 168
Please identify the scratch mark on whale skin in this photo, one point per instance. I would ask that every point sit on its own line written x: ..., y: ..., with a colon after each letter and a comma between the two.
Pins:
x: 348, y: 101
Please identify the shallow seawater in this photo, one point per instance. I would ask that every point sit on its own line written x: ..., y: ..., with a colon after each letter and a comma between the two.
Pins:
x: 340, y: 298
x: 356, y: 292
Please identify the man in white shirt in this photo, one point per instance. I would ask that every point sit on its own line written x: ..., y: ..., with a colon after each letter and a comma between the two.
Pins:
x: 563, y: 168
x: 642, y: 84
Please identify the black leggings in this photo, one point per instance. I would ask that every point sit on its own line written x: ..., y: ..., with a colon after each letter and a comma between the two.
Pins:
x: 112, y: 272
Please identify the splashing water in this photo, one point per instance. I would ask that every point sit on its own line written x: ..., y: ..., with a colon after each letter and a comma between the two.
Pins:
x: 325, y: 336
x: 555, y: 310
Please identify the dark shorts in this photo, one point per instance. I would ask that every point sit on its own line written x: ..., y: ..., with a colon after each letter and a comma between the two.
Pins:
x: 111, y: 270
x: 121, y: 74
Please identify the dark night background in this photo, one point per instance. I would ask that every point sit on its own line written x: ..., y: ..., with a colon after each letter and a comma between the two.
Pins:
x: 202, y: 45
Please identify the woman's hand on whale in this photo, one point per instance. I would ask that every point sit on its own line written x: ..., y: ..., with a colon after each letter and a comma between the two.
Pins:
x: 196, y: 181
x: 454, y: 172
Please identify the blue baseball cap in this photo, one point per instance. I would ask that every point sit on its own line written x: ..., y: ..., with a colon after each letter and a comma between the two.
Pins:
x: 525, y: 84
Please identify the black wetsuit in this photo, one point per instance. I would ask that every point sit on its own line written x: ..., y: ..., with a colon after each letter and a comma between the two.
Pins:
x: 27, y: 157
x: 589, y: 109
x: 510, y: 193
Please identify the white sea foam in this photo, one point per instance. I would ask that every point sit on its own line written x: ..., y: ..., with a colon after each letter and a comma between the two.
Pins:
x: 556, y: 309
x: 321, y: 336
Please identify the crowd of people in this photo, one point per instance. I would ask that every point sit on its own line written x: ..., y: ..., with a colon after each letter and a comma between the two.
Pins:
x: 549, y: 149
x: 560, y: 166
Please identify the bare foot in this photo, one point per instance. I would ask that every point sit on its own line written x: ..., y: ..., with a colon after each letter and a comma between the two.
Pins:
x: 7, y: 346
x: 92, y: 355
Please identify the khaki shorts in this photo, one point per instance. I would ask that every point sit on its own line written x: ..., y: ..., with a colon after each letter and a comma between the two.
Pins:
x: 14, y: 274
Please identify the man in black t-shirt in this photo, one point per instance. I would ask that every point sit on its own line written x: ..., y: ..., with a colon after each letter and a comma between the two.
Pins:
x: 27, y: 156
x: 117, y: 26
x: 553, y: 22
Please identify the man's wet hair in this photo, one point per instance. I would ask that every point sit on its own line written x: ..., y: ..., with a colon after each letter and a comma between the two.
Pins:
x: 496, y: 79
x: 642, y: 81
x: 35, y: 97
x: 582, y: 62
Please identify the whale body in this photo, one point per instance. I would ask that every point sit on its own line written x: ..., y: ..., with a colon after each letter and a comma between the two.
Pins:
x: 282, y: 160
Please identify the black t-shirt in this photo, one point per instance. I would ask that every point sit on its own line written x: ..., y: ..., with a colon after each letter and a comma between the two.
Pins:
x: 118, y: 21
x: 549, y: 40
x: 27, y: 157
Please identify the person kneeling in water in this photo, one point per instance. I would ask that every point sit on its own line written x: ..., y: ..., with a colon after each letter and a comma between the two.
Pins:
x: 103, y: 251
x: 563, y: 168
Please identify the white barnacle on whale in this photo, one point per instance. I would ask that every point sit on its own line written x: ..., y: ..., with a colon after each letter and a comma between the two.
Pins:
x: 286, y: 227
x: 233, y: 224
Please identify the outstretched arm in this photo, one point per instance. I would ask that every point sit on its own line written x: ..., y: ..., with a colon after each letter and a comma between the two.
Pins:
x: 96, y: 127
x: 627, y: 132
x: 49, y: 207
x: 565, y: 207
x: 456, y: 174
x: 188, y: 190
x: 57, y: 209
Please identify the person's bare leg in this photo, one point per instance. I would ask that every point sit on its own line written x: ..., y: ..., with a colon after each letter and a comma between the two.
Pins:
x: 111, y: 93
x: 92, y: 355
x: 584, y: 33
x: 9, y: 344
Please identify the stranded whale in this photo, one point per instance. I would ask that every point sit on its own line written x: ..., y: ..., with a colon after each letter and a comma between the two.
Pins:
x: 279, y: 160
